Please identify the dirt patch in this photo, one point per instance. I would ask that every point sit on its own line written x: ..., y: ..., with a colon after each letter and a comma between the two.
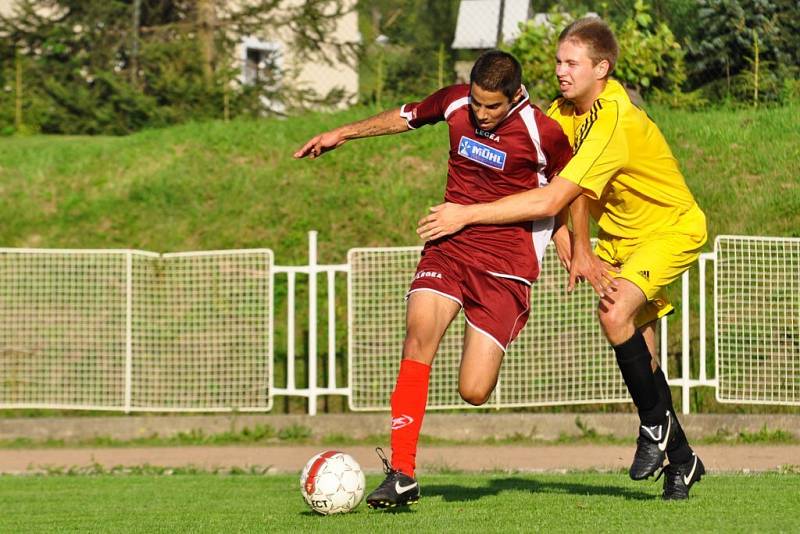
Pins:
x: 430, y: 459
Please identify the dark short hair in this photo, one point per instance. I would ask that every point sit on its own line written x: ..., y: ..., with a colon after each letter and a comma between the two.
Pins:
x: 598, y: 38
x: 496, y: 70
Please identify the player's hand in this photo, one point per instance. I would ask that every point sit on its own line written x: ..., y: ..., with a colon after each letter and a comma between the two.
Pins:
x: 587, y: 266
x: 320, y: 144
x: 562, y: 239
x: 445, y: 219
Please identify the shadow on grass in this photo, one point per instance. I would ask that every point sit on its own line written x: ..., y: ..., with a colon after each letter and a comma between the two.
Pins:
x: 494, y: 487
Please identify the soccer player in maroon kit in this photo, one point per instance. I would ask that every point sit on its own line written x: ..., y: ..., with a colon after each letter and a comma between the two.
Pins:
x: 500, y: 144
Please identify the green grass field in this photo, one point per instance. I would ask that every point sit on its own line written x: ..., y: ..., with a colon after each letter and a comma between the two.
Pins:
x: 573, y: 502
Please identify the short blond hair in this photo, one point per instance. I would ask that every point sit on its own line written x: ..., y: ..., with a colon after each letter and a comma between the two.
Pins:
x: 598, y: 38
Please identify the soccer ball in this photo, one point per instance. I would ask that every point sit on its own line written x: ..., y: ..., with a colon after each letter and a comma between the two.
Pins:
x: 332, y: 482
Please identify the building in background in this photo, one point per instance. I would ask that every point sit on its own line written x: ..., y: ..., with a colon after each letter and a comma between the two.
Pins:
x: 268, y: 56
x: 484, y: 24
x: 260, y: 55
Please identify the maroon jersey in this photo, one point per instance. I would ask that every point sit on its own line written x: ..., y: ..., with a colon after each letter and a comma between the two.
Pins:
x: 526, y: 150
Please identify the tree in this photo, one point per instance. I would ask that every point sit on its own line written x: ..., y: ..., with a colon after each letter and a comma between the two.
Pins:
x: 722, y: 50
x: 650, y: 57
x: 93, y: 66
x: 407, y: 47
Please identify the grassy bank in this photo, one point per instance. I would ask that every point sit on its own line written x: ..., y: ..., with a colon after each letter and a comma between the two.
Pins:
x: 235, y: 185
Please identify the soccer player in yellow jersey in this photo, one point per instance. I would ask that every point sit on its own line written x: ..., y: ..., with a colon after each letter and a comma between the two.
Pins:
x: 650, y: 231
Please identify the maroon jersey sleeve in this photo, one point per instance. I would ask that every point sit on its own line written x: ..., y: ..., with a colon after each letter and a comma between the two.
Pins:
x: 434, y: 108
x: 555, y: 145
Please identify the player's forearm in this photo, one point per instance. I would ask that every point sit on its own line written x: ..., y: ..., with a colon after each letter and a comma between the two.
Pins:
x: 387, y: 122
x: 579, y: 211
x: 524, y: 206
x: 562, y: 218
x: 528, y: 205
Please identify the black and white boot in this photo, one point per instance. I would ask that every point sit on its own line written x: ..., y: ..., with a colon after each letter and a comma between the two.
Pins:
x: 651, y: 447
x: 397, y: 489
x: 679, y: 478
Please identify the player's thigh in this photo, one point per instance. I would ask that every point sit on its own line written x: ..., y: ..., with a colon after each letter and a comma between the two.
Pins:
x: 427, y: 317
x: 480, y: 366
x: 496, y: 309
x: 433, y: 300
x: 654, y: 263
x: 495, y: 306
x: 651, y: 264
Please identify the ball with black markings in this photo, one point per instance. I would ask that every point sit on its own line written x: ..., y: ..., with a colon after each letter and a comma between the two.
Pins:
x: 332, y: 482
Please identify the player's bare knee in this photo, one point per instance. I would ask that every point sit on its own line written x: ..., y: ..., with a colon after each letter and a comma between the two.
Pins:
x: 474, y: 395
x: 611, y: 320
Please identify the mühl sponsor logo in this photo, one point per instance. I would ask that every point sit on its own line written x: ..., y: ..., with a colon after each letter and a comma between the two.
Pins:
x: 480, y: 153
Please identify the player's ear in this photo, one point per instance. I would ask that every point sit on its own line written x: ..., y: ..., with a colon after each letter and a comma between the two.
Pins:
x: 518, y: 95
x: 601, y: 69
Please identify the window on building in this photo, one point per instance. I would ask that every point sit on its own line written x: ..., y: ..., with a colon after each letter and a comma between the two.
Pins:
x: 261, y: 63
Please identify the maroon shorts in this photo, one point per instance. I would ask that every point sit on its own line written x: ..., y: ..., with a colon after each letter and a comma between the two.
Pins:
x: 493, y: 305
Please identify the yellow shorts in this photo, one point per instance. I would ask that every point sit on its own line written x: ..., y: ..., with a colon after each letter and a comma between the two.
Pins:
x: 656, y: 260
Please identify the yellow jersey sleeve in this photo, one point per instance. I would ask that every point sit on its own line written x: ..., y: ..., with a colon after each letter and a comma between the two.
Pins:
x: 600, y: 148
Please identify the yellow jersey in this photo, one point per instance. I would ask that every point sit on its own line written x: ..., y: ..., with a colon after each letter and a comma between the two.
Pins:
x: 625, y: 167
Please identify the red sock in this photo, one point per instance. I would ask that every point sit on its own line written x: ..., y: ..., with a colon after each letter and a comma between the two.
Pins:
x: 409, y: 399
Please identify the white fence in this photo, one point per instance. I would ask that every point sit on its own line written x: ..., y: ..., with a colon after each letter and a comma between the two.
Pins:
x: 137, y: 331
x: 561, y: 356
x: 757, y: 320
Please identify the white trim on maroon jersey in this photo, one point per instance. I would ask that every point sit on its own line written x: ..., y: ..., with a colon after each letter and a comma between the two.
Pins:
x: 523, y: 101
x: 442, y: 293
x: 543, y: 228
x: 485, y: 333
x: 541, y: 233
x: 454, y: 105
x: 407, y: 115
x: 510, y: 277
x: 539, y: 236
x: 529, y: 119
x: 526, y: 310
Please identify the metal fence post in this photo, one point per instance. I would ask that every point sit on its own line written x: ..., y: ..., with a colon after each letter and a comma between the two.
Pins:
x: 685, y: 364
x: 128, y: 329
x: 312, y: 323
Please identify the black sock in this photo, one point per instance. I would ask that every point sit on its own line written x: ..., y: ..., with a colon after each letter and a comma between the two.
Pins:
x: 633, y: 358
x: 678, y: 449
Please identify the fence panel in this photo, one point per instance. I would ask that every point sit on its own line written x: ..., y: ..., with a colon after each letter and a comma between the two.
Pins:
x: 202, y: 331
x: 62, y: 328
x: 133, y: 330
x: 757, y: 319
x: 138, y: 331
x: 561, y: 357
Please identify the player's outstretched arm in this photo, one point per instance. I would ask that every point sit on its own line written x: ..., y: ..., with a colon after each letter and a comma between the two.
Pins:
x: 387, y: 122
x: 448, y: 218
x: 585, y: 265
